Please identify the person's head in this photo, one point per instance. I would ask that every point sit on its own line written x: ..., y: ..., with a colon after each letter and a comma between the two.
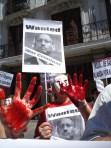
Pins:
x: 66, y: 128
x: 44, y: 44
x: 94, y: 94
x: 60, y: 79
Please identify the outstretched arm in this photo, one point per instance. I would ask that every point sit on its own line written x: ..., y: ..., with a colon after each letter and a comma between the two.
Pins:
x: 16, y: 115
x: 76, y: 91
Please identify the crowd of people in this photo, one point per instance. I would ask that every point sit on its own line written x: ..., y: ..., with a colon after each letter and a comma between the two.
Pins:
x: 94, y: 122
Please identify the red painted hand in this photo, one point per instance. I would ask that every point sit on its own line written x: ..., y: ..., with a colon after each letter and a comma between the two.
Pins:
x: 17, y: 114
x: 75, y: 90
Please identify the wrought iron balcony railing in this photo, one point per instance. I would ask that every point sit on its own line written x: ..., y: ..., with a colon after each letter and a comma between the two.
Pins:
x: 100, y: 30
x: 18, y: 5
x: 90, y: 32
x: 96, y: 31
x: 3, y: 51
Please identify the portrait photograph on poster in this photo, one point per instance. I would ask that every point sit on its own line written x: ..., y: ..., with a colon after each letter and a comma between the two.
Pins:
x: 43, y: 46
x: 66, y: 122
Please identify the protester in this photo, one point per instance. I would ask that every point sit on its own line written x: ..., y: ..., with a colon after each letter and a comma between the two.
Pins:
x: 67, y: 94
x: 98, y: 126
x: 16, y: 115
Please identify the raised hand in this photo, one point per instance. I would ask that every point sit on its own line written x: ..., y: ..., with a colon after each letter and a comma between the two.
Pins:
x: 17, y: 114
x: 76, y: 90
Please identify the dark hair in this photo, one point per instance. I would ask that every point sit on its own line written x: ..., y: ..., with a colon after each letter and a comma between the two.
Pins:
x: 94, y: 90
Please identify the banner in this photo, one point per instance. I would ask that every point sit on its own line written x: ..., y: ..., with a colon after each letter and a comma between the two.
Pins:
x: 5, y: 79
x: 43, y: 46
x: 34, y: 143
x: 102, y: 68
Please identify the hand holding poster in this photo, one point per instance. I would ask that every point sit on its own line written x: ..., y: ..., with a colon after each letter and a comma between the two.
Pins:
x: 43, y: 46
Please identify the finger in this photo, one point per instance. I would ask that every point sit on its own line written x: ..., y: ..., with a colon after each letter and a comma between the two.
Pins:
x: 18, y: 86
x: 69, y: 79
x: 80, y: 79
x: 30, y: 89
x: 44, y: 124
x: 75, y: 79
x: 35, y: 99
x: 46, y: 133
x: 86, y: 84
x: 40, y: 109
x: 3, y: 111
x: 2, y: 94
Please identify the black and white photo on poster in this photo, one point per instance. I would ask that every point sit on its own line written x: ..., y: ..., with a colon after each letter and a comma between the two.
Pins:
x: 66, y: 121
x: 43, y: 46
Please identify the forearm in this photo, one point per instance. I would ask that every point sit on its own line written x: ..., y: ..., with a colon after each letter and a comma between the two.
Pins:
x: 2, y: 131
x: 85, y: 109
x: 106, y: 138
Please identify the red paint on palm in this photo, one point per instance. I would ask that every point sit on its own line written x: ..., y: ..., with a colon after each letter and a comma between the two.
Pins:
x: 17, y: 114
x: 75, y: 90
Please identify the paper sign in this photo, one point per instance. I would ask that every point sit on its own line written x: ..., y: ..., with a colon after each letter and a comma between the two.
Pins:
x: 5, y: 79
x: 43, y: 50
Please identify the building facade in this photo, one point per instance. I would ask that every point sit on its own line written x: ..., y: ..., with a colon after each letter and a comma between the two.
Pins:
x: 86, y: 31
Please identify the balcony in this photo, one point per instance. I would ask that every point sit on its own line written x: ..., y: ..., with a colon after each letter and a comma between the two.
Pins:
x: 96, y: 31
x: 3, y: 51
x: 100, y: 30
x: 92, y: 35
x: 20, y: 5
x: 95, y: 36
x: 17, y: 5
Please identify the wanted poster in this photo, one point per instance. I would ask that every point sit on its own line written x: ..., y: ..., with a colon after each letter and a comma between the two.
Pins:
x: 67, y: 122
x: 43, y: 50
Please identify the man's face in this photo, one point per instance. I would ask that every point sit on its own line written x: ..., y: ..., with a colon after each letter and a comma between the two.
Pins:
x: 66, y: 129
x: 44, y: 44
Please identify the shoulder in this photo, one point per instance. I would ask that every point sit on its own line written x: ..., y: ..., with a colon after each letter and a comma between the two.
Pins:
x: 28, y: 59
x: 105, y: 95
x: 99, y: 122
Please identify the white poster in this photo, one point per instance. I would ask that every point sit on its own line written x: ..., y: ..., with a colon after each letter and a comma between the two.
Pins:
x: 66, y: 121
x: 102, y: 68
x: 5, y: 79
x: 43, y: 46
x: 35, y: 143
